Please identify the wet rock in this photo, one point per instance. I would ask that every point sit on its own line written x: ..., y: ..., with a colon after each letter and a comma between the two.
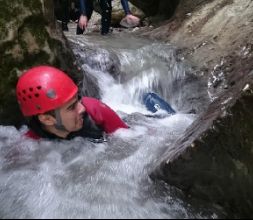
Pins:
x: 157, y: 7
x: 29, y: 37
x: 118, y: 12
x: 213, y: 160
x: 104, y: 61
x: 98, y: 59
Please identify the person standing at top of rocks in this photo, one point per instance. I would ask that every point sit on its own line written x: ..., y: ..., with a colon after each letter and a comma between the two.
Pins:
x: 86, y: 9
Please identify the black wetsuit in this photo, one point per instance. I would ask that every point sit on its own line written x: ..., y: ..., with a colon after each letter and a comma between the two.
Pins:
x: 86, y: 9
x: 98, y: 119
x: 89, y: 130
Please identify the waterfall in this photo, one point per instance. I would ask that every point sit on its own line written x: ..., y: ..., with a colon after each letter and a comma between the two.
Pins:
x: 81, y: 179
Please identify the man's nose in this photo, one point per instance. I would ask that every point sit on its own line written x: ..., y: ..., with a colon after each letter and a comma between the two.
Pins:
x: 80, y: 108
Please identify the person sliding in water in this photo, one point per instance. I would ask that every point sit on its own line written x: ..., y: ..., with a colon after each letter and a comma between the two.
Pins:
x: 48, y: 98
x: 154, y: 103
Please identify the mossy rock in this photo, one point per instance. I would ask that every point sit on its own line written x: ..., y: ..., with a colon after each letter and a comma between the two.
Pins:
x: 26, y: 40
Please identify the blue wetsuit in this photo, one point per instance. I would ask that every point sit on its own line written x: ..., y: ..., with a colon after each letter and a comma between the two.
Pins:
x: 154, y: 103
x: 86, y: 9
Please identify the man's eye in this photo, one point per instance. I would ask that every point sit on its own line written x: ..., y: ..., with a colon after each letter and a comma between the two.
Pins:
x: 72, y: 107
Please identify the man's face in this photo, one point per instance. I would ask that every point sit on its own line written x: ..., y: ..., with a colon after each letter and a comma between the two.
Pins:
x: 72, y: 115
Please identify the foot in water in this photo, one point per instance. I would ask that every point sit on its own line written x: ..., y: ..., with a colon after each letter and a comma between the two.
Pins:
x: 154, y: 103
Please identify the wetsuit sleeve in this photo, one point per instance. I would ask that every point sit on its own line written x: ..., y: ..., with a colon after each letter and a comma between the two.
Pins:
x: 83, y: 4
x: 103, y: 115
x: 125, y: 6
x: 32, y: 135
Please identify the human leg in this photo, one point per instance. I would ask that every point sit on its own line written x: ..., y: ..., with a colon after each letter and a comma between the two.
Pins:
x: 89, y: 10
x: 65, y: 14
x: 106, y: 7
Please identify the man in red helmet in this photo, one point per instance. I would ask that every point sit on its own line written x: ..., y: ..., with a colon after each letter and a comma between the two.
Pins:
x: 49, y: 100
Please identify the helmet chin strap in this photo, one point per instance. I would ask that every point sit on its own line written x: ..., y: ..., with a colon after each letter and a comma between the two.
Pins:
x: 59, y: 124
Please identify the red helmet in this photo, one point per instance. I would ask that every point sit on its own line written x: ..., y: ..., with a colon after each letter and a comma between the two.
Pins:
x: 42, y: 89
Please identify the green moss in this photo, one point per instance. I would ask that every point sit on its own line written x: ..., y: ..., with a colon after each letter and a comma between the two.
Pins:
x: 36, y: 26
x: 8, y: 71
x: 11, y: 11
x: 64, y: 59
x: 27, y: 18
x: 32, y: 5
x: 9, y: 112
x: 4, y: 18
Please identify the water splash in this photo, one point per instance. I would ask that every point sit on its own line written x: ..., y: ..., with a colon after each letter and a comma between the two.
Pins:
x: 81, y: 179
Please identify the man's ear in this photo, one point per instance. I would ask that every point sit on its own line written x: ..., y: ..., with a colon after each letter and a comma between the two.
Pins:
x: 47, y: 119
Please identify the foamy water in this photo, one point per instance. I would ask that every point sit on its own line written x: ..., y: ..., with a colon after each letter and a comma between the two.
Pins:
x: 81, y: 179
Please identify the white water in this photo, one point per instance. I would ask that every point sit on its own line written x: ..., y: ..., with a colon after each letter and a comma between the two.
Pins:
x: 80, y: 179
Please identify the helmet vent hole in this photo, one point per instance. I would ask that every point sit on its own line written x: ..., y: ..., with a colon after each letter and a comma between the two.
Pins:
x: 30, y: 97
x: 24, y: 99
x: 39, y: 87
x: 38, y: 107
x: 24, y: 91
x: 36, y: 95
x: 30, y: 89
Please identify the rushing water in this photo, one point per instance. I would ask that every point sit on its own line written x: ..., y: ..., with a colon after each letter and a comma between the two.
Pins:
x: 81, y: 179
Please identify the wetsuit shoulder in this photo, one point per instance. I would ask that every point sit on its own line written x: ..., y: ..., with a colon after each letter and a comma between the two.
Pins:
x: 103, y: 115
x: 31, y: 134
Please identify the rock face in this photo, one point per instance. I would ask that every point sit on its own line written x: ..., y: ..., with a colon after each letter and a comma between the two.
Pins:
x: 162, y: 8
x: 28, y: 37
x: 213, y: 160
x: 208, y: 33
x: 118, y: 12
